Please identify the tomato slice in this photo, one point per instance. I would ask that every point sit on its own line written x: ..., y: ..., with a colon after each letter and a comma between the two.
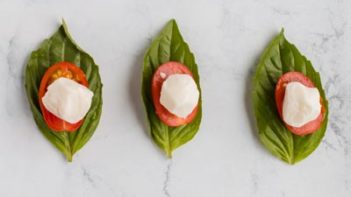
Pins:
x: 309, y: 127
x: 159, y: 77
x: 61, y: 69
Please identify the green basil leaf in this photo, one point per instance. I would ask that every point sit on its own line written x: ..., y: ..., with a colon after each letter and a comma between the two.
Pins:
x: 168, y: 46
x: 278, y: 58
x: 60, y: 47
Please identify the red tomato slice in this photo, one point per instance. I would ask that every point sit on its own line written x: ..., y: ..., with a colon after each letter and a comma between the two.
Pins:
x: 61, y: 69
x: 309, y: 127
x: 159, y: 77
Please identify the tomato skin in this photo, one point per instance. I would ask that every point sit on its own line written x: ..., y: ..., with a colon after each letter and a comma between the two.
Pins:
x: 165, y: 116
x: 309, y: 127
x: 67, y: 70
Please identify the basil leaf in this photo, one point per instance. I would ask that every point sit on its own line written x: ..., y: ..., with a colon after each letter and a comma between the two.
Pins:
x: 168, y: 46
x: 278, y: 58
x: 60, y: 47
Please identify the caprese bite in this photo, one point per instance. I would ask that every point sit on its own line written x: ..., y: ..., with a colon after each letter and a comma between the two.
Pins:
x: 299, y: 103
x: 64, y: 97
x: 175, y: 94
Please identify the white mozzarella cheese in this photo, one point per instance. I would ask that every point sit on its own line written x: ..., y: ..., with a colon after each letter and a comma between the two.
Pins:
x: 301, y: 104
x: 68, y: 100
x: 179, y: 94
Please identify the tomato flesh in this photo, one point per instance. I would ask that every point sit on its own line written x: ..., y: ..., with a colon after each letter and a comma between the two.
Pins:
x: 159, y: 77
x: 309, y: 127
x: 61, y: 69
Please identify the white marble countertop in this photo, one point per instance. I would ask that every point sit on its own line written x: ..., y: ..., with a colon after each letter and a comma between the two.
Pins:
x: 225, y: 158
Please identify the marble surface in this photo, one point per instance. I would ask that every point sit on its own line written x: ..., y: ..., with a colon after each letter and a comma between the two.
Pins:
x: 225, y: 158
